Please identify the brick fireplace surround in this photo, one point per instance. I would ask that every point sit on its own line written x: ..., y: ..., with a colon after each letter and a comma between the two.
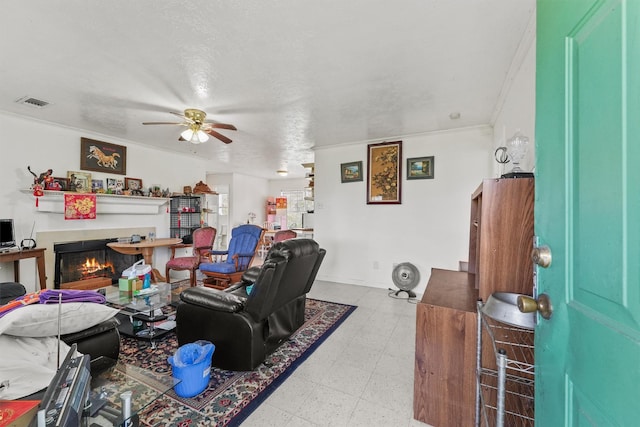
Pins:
x: 46, y: 239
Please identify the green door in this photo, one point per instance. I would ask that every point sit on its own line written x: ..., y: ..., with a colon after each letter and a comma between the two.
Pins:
x: 587, y: 211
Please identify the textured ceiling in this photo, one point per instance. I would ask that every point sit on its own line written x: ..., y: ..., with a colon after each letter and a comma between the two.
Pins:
x: 289, y: 74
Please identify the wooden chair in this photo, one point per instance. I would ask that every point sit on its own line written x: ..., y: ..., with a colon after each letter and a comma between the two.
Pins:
x: 202, y: 246
x: 237, y: 258
x: 284, y: 235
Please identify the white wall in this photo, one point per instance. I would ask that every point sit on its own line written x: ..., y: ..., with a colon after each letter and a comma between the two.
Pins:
x: 518, y: 111
x: 429, y: 229
x: 43, y: 146
x: 248, y: 194
x: 431, y: 226
x: 278, y: 185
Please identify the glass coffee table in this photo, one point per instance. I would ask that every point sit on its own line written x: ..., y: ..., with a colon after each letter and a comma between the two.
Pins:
x: 119, y: 392
x: 141, y: 313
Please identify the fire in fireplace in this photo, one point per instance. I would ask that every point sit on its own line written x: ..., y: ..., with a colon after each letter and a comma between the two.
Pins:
x: 89, y: 259
x: 92, y: 268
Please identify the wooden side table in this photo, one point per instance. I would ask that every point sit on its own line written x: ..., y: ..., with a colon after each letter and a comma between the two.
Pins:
x: 145, y: 247
x: 16, y: 256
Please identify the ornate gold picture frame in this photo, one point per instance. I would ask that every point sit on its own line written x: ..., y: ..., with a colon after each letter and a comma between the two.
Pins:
x: 384, y: 173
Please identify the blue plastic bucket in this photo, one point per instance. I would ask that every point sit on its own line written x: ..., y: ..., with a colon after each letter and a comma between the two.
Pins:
x: 191, y: 364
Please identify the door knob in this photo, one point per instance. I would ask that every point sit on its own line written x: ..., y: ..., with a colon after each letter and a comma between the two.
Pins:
x: 543, y: 305
x: 541, y: 255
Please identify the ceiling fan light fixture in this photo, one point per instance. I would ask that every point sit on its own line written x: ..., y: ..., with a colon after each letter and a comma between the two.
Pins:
x: 195, y: 136
x: 282, y: 172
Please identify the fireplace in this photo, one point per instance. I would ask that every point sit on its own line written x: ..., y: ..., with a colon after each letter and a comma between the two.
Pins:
x: 89, y: 260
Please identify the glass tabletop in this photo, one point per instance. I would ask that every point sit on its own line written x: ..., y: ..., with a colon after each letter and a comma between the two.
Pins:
x: 156, y: 296
x: 121, y: 391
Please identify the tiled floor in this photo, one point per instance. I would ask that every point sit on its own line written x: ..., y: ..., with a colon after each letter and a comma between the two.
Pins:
x: 362, y: 375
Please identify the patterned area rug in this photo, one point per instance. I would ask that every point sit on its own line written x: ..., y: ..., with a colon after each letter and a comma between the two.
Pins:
x: 231, y: 396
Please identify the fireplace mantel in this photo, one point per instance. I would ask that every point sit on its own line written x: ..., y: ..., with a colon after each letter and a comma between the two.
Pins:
x: 53, y: 202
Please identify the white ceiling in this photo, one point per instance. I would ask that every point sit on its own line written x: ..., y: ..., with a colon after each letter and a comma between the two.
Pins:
x: 289, y: 74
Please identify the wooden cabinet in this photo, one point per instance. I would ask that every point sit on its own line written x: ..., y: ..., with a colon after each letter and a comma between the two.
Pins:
x: 501, y: 236
x: 444, y: 378
x: 500, y: 243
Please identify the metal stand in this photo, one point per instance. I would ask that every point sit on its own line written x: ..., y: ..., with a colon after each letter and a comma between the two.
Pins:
x: 505, y: 382
x: 410, y: 294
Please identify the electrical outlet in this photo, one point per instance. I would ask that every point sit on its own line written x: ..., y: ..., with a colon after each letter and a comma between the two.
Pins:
x: 376, y: 265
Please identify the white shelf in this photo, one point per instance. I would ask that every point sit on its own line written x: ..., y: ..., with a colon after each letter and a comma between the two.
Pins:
x: 53, y: 202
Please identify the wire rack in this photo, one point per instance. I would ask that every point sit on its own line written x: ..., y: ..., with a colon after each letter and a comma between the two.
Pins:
x: 185, y: 215
x: 505, y: 374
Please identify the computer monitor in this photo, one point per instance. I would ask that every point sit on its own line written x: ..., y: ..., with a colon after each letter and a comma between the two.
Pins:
x: 7, y: 237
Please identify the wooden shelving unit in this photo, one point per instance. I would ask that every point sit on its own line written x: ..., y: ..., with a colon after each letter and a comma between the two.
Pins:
x: 500, y: 243
x: 501, y: 236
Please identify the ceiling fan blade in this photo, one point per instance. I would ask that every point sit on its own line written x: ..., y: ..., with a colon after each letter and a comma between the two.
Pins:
x: 181, y: 115
x: 188, y: 120
x: 164, y: 123
x: 220, y: 136
x: 213, y: 125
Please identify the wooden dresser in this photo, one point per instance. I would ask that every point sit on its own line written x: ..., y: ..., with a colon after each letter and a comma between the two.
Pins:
x: 500, y: 243
x: 444, y: 379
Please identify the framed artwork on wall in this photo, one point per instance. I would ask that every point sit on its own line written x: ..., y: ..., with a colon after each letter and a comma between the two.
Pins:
x: 420, y: 168
x: 384, y: 173
x: 101, y: 156
x: 351, y: 172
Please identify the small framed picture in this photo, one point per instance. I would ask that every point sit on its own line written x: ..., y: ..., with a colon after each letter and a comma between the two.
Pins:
x: 97, y: 185
x: 80, y: 182
x: 58, y: 183
x: 133, y: 184
x: 111, y: 184
x: 420, y: 168
x: 119, y: 187
x: 351, y: 172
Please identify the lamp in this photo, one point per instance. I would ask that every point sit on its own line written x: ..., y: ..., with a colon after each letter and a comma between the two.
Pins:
x: 282, y: 172
x: 195, y: 135
x: 517, y: 147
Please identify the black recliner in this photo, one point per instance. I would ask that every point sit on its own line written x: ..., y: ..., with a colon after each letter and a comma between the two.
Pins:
x: 99, y: 341
x: 247, y: 328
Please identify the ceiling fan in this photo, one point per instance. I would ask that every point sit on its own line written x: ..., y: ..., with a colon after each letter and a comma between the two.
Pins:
x: 198, y: 129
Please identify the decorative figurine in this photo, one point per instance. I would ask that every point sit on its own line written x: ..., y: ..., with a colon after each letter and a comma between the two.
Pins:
x: 40, y: 182
x: 42, y: 179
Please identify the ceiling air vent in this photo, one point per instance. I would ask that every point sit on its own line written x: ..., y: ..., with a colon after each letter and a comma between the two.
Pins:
x: 33, y: 102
